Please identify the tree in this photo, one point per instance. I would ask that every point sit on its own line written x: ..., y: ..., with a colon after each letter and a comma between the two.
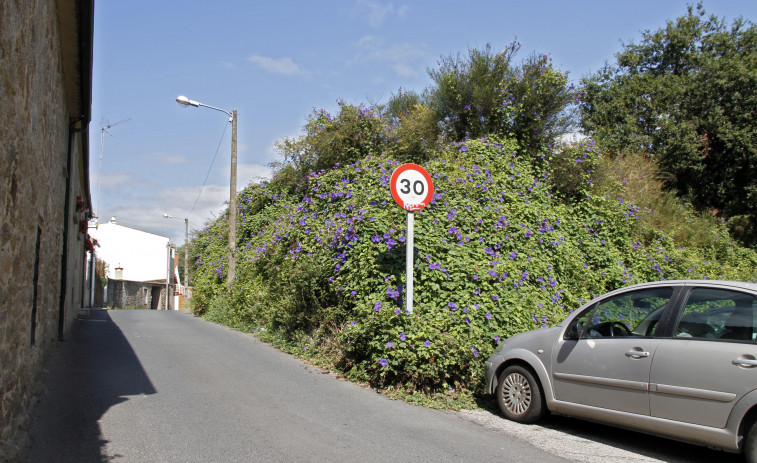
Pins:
x: 413, y: 128
x: 486, y: 94
x: 355, y: 132
x: 686, y: 96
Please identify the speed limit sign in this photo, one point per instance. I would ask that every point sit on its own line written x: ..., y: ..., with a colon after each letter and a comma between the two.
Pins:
x: 411, y: 187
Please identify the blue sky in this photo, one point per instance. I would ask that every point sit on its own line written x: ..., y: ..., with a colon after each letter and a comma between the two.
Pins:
x: 274, y: 61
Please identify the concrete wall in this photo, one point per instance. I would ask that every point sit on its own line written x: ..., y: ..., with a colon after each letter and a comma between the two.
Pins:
x: 44, y: 116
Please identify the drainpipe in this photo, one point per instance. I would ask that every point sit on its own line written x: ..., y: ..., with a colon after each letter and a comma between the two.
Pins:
x: 66, y: 218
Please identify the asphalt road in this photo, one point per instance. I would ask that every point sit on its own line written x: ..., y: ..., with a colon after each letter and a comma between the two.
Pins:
x: 156, y: 386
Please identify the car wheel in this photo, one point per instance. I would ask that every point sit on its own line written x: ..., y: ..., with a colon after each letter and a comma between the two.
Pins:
x: 519, y: 395
x: 750, y: 447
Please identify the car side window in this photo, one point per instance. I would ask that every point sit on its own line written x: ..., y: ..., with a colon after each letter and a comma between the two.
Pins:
x: 634, y: 313
x: 718, y: 314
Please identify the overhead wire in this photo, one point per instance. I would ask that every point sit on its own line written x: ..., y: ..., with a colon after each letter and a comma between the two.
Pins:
x: 209, y: 169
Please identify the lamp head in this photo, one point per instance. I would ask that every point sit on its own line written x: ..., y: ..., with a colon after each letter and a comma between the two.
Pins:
x: 184, y: 101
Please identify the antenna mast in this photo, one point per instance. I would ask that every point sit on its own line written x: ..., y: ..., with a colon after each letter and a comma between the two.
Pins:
x: 103, y: 129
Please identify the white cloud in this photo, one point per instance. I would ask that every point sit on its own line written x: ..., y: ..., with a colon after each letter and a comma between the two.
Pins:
x: 115, y: 179
x: 405, y: 70
x: 171, y: 159
x: 404, y: 58
x: 285, y: 66
x: 247, y: 173
x: 376, y: 13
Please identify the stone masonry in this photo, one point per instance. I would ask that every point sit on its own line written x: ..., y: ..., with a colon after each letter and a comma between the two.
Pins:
x: 44, y: 114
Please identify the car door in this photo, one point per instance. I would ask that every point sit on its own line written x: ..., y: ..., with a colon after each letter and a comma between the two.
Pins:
x: 710, y: 362
x: 608, y: 365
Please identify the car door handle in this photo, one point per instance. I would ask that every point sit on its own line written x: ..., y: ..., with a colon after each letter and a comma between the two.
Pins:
x: 749, y: 363
x: 637, y: 354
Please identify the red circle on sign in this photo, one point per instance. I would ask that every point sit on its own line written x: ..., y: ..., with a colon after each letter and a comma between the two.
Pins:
x: 411, y: 187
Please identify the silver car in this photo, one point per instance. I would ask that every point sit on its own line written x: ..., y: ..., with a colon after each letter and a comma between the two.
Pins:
x: 672, y: 358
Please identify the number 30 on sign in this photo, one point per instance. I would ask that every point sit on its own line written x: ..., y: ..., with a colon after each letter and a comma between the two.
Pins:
x: 411, y: 187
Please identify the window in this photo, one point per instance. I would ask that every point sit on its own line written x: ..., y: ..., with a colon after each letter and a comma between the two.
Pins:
x: 718, y: 314
x: 635, y: 313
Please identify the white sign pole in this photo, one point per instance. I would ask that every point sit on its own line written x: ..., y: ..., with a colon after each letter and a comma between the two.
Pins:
x: 412, y: 189
x: 409, y: 254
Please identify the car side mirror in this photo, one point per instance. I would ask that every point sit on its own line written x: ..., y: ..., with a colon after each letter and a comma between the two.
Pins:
x: 573, y: 332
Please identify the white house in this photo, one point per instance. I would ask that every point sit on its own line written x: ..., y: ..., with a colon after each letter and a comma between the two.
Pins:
x: 142, y: 256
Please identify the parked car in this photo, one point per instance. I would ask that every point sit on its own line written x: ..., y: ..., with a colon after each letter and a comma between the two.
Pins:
x: 673, y: 358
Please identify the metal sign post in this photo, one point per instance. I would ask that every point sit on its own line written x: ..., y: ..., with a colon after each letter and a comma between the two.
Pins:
x: 409, y: 260
x: 412, y: 189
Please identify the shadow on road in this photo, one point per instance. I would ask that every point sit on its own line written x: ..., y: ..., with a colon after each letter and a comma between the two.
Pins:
x: 644, y: 447
x: 93, y: 370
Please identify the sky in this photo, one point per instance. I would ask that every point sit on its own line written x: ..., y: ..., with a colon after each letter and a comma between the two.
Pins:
x: 276, y: 61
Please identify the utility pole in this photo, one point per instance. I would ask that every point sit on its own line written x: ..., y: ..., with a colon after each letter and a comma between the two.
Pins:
x: 186, y: 252
x: 230, y: 274
x: 233, y: 202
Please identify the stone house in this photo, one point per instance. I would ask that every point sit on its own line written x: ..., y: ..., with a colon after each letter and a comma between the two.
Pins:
x: 45, y: 110
x: 138, y: 264
x: 140, y: 255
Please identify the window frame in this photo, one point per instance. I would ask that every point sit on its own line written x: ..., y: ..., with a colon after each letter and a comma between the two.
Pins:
x: 665, y: 325
x: 686, y: 295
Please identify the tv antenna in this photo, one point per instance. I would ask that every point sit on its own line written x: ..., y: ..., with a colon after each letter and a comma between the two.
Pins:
x: 104, y: 127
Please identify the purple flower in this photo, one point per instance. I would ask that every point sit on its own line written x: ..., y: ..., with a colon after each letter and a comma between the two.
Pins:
x: 353, y: 293
x: 427, y: 343
x: 390, y: 344
x: 495, y: 298
x: 383, y: 362
x: 452, y: 306
x: 475, y: 277
x: 463, y: 148
x: 403, y: 337
x: 488, y: 316
x: 513, y: 255
x: 377, y: 306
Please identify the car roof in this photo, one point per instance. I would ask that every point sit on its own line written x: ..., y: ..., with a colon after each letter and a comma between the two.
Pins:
x: 743, y: 285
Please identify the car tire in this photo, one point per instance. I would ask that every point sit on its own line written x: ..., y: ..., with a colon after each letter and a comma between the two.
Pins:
x: 519, y: 395
x: 750, y: 445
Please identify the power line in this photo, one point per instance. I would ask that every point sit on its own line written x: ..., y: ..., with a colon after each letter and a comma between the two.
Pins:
x: 209, y: 169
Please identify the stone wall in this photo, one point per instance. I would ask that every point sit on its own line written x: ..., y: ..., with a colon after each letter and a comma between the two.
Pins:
x: 135, y: 295
x: 36, y: 143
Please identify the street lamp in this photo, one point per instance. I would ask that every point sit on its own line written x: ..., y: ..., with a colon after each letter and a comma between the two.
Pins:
x: 186, y: 246
x: 184, y: 101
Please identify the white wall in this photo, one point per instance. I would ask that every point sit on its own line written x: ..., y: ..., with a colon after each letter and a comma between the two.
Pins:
x: 142, y: 255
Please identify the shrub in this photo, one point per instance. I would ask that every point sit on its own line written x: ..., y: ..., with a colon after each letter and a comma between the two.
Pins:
x: 496, y: 253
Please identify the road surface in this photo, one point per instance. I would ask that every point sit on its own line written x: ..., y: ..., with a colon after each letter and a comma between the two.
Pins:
x: 164, y: 386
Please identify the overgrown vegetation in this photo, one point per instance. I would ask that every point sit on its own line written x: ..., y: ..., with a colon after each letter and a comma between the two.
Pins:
x: 522, y: 229
x: 686, y: 97
x: 497, y: 253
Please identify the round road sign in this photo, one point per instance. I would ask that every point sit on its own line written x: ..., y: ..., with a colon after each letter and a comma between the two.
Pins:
x: 411, y: 187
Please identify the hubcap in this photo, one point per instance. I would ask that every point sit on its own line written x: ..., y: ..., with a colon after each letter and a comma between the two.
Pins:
x: 517, y: 393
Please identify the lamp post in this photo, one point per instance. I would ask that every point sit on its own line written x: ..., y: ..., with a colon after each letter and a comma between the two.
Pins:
x: 186, y: 246
x: 184, y: 101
